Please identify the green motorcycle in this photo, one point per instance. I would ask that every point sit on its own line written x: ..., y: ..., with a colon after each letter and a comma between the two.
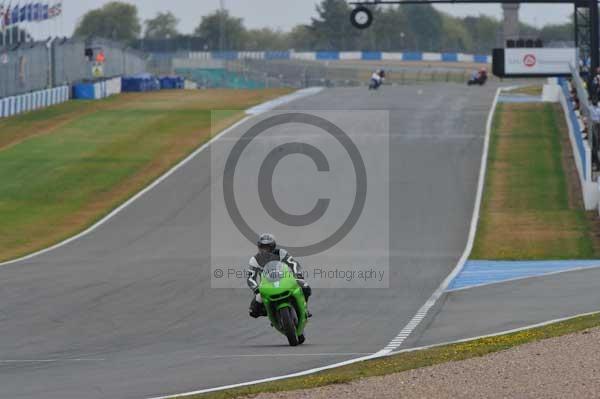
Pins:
x: 284, y: 301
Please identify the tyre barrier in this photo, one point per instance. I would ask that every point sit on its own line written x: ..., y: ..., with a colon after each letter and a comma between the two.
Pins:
x: 140, y: 83
x: 15, y: 105
x: 171, y: 83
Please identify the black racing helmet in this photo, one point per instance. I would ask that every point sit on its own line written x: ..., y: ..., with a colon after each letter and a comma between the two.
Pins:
x: 266, y: 241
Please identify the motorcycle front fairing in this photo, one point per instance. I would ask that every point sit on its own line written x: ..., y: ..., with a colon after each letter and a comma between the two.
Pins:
x: 278, y: 289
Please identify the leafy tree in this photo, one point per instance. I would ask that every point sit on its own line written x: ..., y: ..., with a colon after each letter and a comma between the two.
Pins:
x: 455, y: 35
x: 222, y: 31
x: 266, y: 39
x: 483, y: 31
x: 163, y: 26
x: 115, y: 20
x: 426, y: 24
x: 557, y: 33
x: 302, y: 37
x: 392, y: 31
x: 332, y: 27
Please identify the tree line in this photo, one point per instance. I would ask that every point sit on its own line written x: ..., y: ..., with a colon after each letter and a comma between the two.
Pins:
x: 396, y: 28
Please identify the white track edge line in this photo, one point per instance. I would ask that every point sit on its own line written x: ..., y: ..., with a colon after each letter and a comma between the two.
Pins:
x: 288, y: 98
x: 424, y: 310
x: 505, y: 332
x: 420, y: 348
x: 387, y: 350
x: 548, y: 274
x: 130, y: 200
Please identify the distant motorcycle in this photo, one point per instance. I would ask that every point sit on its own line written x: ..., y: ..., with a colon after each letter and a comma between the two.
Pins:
x: 284, y: 301
x: 374, y: 85
x: 478, y: 80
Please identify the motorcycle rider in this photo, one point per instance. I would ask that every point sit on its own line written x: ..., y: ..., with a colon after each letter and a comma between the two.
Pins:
x: 377, y: 78
x: 483, y: 75
x: 267, y: 252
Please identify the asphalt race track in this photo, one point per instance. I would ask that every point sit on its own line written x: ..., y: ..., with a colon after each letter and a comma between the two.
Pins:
x: 128, y: 311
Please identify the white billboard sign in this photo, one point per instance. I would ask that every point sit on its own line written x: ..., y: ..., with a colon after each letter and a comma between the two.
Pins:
x: 539, y: 61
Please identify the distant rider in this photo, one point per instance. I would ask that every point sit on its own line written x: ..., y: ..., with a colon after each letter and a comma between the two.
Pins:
x: 377, y: 78
x: 483, y: 75
x: 268, y: 252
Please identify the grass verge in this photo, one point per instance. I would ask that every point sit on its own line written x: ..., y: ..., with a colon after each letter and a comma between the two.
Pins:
x: 64, y: 167
x: 530, y: 208
x: 412, y: 360
x: 532, y: 90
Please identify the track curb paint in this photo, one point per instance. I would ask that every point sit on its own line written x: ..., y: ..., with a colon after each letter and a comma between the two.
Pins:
x: 510, y: 280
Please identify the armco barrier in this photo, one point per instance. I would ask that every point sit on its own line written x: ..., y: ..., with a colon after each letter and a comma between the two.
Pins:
x: 341, y: 55
x: 15, y: 105
x: 581, y: 149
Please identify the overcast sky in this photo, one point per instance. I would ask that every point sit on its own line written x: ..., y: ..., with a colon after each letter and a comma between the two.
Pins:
x: 284, y: 14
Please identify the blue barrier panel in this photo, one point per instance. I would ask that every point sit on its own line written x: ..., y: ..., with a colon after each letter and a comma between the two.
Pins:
x: 483, y: 59
x: 574, y: 122
x: 171, y: 82
x: 277, y: 55
x: 371, y: 55
x: 412, y: 56
x: 2, y: 108
x: 84, y: 91
x: 140, y: 83
x: 449, y: 57
x: 328, y: 55
x: 224, y: 55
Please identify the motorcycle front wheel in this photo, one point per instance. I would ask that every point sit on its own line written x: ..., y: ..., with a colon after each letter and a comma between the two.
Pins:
x: 288, y: 326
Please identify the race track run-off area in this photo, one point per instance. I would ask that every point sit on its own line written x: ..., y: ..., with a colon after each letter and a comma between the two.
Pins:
x: 131, y: 310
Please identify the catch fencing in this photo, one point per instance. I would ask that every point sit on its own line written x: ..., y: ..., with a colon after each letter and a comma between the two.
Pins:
x: 42, y: 65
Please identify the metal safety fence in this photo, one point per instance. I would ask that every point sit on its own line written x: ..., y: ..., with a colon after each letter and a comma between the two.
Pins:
x: 37, y: 66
